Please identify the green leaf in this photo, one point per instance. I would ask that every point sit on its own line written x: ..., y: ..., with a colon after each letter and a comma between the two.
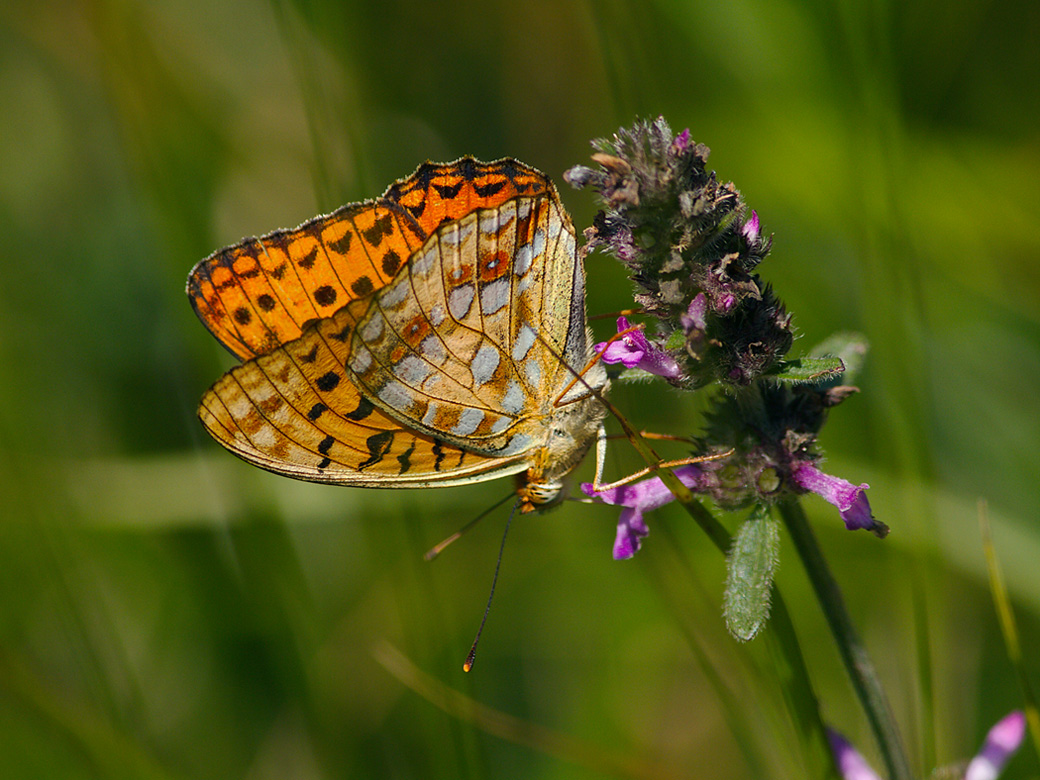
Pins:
x: 749, y: 576
x: 808, y: 370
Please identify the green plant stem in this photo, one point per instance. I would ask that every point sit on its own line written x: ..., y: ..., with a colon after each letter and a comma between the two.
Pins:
x: 795, y: 684
x: 854, y: 655
x: 789, y: 663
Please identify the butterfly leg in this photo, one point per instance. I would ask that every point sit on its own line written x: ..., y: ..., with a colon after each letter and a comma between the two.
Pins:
x: 597, y: 486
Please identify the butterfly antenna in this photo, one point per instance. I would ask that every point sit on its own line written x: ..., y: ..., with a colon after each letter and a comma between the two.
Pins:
x: 438, y: 548
x: 494, y: 581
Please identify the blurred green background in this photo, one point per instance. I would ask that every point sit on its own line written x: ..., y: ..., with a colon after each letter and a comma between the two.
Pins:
x: 168, y: 611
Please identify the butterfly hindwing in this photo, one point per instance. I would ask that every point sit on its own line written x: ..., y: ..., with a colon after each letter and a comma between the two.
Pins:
x: 293, y: 412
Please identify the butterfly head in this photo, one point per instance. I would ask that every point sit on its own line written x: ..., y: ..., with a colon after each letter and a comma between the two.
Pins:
x: 575, y: 423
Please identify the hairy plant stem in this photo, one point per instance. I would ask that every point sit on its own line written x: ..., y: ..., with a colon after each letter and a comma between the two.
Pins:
x: 853, y: 654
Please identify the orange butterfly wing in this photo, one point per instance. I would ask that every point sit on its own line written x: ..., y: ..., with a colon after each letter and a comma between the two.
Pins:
x: 263, y: 292
x: 413, y: 340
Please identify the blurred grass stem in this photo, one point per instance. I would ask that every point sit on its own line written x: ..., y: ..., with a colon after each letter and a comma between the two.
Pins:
x: 853, y: 653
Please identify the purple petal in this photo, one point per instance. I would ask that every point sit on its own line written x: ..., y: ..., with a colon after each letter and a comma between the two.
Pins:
x: 648, y: 494
x: 682, y: 141
x: 850, y: 499
x: 850, y: 763
x: 725, y: 302
x: 695, y: 317
x: 1001, y: 743
x: 619, y: 351
x: 634, y: 350
x: 750, y: 229
x: 631, y: 529
x: 629, y: 350
x: 858, y: 514
x: 637, y: 498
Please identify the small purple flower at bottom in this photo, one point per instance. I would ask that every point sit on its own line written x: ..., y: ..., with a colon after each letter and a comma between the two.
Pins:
x: 634, y: 350
x: 1001, y: 743
x: 850, y: 499
x: 850, y: 763
x: 637, y: 498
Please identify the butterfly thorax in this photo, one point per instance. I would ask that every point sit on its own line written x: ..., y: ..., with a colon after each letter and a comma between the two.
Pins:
x: 574, y: 425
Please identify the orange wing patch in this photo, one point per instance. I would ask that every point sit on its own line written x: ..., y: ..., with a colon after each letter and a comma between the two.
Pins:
x: 436, y: 193
x: 263, y: 292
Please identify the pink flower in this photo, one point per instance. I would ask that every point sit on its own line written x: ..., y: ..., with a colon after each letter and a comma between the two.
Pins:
x: 637, y: 498
x: 634, y: 350
x: 1001, y: 743
x: 850, y: 499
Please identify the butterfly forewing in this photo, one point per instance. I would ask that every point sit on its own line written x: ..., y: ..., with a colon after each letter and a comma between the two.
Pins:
x: 263, y: 292
x: 455, y: 345
x: 437, y: 193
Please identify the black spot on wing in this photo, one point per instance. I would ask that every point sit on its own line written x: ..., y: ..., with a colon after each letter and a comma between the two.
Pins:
x: 378, y: 444
x: 362, y: 286
x: 327, y: 382
x: 364, y: 409
x: 391, y: 262
x: 405, y: 458
x: 383, y: 226
x: 325, y: 295
x: 343, y: 334
x: 449, y: 191
x: 307, y: 261
x: 438, y: 454
x: 489, y: 189
x: 342, y: 245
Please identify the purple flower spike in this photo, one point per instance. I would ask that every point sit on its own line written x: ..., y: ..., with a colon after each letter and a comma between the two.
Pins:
x: 633, y: 350
x: 850, y: 499
x: 751, y: 228
x: 637, y: 498
x: 1001, y: 743
x: 850, y: 763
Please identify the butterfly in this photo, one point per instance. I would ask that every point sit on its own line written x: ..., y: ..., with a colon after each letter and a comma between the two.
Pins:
x: 426, y: 338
